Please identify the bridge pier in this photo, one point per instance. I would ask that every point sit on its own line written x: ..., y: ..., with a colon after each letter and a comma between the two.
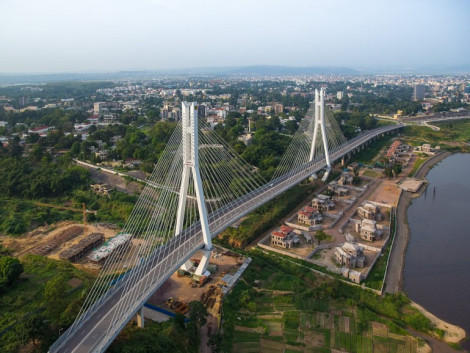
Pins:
x: 141, y: 317
x: 206, y: 256
x: 313, y: 177
x: 187, y: 265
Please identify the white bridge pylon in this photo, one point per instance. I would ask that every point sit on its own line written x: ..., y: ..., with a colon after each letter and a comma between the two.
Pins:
x: 317, y: 139
x: 190, y: 142
x: 320, y: 124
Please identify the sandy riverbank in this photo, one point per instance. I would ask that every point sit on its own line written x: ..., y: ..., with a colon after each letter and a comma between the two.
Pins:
x: 452, y: 333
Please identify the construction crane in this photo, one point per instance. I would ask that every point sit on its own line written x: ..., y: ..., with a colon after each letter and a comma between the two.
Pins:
x: 83, y: 210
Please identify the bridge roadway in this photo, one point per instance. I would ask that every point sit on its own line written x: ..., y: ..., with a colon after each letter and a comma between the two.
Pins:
x: 104, y: 320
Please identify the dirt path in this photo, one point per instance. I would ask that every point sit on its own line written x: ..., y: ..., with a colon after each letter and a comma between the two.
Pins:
x: 210, y: 328
x: 436, y: 345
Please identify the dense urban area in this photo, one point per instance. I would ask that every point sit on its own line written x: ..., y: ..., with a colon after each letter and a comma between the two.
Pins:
x: 316, y: 269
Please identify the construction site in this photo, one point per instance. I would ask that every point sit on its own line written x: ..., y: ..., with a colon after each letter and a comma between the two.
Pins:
x: 225, y: 268
x: 66, y: 240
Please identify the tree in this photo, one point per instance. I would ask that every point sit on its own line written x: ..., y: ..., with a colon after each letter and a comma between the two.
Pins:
x: 356, y: 171
x: 31, y: 328
x: 388, y: 172
x: 197, y: 319
x: 396, y: 169
x: 320, y: 236
x: 291, y: 126
x: 10, y: 269
x: 53, y: 298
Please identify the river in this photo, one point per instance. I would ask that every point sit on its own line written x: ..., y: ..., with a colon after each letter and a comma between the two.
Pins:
x: 437, y: 268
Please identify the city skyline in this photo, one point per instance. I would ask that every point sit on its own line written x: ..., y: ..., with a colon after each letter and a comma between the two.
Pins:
x: 106, y: 36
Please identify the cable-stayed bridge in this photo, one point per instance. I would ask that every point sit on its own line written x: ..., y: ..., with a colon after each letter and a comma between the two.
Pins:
x: 199, y: 187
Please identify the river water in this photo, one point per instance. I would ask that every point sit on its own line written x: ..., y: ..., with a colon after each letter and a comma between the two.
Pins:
x: 437, y: 269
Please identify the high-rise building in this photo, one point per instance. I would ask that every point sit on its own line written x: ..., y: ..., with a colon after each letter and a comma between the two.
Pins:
x: 418, y: 92
x: 278, y: 108
x: 97, y: 108
x: 164, y: 113
x: 339, y: 94
x: 201, y: 110
x: 23, y: 101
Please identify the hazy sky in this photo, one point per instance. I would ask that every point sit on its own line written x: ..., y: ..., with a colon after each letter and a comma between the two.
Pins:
x: 111, y: 35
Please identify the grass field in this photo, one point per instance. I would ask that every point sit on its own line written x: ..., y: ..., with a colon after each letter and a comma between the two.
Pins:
x: 377, y: 274
x: 367, y: 155
x: 419, y: 161
x: 453, y: 135
x: 26, y: 295
x: 371, y: 174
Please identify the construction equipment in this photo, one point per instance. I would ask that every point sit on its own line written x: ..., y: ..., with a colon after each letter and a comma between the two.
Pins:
x: 200, y: 281
x: 177, y: 306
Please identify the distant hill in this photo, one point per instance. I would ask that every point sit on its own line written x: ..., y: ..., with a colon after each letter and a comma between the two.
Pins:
x: 253, y: 70
x: 266, y: 70
x: 256, y: 70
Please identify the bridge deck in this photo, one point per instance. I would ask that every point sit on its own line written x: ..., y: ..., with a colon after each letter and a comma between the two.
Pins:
x: 105, y: 319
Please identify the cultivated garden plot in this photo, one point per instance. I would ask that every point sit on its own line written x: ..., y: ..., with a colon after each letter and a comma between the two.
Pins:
x: 277, y: 323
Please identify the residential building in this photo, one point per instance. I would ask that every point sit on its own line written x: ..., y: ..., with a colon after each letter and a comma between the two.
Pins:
x: 278, y: 108
x: 308, y: 215
x: 132, y: 163
x: 368, y: 230
x: 426, y: 148
x: 368, y: 210
x: 323, y: 203
x: 350, y: 255
x: 396, y: 149
x: 41, y: 129
x: 102, y: 154
x: 246, y: 138
x: 337, y: 189
x: 284, y: 237
x: 345, y: 179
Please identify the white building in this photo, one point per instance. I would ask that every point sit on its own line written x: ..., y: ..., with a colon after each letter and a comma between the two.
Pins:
x: 97, y: 108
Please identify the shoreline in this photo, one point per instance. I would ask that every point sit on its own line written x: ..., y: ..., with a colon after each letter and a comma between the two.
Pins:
x: 395, y: 273
x: 452, y: 333
x: 395, y: 270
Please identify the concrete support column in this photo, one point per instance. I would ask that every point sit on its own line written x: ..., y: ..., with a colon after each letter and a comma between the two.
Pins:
x: 187, y: 265
x: 206, y: 256
x: 343, y: 162
x: 140, y: 317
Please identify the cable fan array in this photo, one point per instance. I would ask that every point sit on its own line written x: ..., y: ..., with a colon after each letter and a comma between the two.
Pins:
x: 299, y: 150
x: 152, y: 222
